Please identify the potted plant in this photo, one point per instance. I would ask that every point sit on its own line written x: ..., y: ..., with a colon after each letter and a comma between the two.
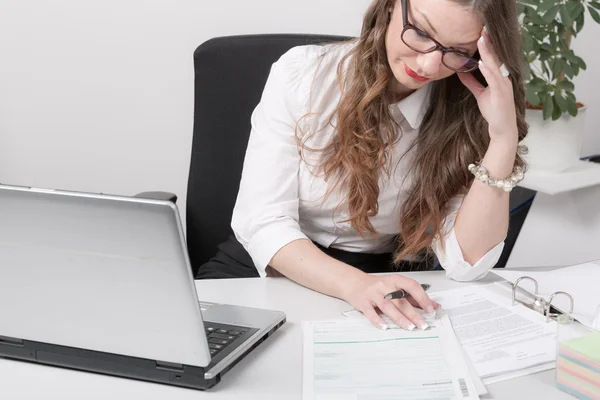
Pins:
x: 554, y: 115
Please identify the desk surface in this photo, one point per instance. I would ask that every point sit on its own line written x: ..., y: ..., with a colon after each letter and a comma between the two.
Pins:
x: 272, y: 371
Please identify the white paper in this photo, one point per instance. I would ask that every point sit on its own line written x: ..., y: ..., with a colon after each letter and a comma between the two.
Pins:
x: 478, y: 384
x: 350, y: 359
x: 517, y: 374
x: 580, y: 281
x: 499, y: 338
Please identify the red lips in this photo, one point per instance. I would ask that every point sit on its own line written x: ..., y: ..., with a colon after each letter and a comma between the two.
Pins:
x: 414, y: 75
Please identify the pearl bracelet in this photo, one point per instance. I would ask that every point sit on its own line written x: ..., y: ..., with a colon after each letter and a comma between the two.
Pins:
x: 507, y: 184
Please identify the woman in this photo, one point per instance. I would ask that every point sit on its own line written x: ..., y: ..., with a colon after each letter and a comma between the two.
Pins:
x: 380, y: 149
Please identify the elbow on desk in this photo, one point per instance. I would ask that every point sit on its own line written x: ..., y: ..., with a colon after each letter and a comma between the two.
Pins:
x: 461, y: 271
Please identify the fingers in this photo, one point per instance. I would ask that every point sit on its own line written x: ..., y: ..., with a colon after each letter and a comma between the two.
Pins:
x: 374, y: 317
x: 390, y: 309
x: 471, y: 83
x: 489, y: 64
x: 486, y: 51
x: 404, y: 306
x: 486, y: 71
x: 414, y: 303
x: 416, y: 291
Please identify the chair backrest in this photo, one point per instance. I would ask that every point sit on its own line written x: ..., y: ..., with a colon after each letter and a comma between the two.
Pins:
x: 230, y: 74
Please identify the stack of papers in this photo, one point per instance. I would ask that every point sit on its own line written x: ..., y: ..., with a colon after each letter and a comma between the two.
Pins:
x: 351, y: 359
x: 501, y: 340
x: 578, y: 366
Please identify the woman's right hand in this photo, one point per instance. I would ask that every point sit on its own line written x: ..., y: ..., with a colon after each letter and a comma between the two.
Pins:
x: 367, y: 296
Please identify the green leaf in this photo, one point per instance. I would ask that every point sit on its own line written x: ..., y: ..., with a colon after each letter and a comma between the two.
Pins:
x: 571, y: 96
x: 532, y: 97
x: 544, y: 55
x: 526, y: 71
x: 545, y: 69
x: 581, y: 63
x: 569, y: 71
x: 537, y: 84
x: 545, y: 6
x: 571, y: 105
x: 547, y: 47
x: 556, y: 112
x: 570, y: 55
x: 565, y: 85
x: 594, y: 4
x: 579, y: 23
x: 548, y: 106
x: 594, y: 14
x: 565, y: 17
x: 575, y: 9
x: 557, y: 67
x: 560, y: 101
x: 550, y: 15
x: 527, y: 42
x: 536, y: 18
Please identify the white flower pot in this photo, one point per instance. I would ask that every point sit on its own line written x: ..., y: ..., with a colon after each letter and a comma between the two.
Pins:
x: 554, y: 146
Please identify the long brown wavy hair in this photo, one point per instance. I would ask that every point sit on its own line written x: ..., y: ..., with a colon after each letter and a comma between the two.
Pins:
x: 453, y: 133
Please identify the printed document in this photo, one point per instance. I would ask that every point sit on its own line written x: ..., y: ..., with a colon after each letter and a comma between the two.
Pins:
x: 500, y: 339
x: 350, y: 359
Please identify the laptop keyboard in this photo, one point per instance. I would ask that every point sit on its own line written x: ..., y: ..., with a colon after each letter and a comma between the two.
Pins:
x: 220, y: 336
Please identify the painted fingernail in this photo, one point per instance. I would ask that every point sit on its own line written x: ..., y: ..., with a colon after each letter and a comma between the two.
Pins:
x: 481, y: 40
x: 424, y: 326
x: 384, y: 327
x: 485, y: 29
x: 411, y: 327
x: 480, y: 63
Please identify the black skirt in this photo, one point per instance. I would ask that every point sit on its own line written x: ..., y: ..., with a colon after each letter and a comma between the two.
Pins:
x: 233, y: 261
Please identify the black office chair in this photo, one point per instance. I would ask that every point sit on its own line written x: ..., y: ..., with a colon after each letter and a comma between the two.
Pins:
x: 230, y: 74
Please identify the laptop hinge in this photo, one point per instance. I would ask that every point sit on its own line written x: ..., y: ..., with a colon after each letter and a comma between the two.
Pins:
x: 11, y: 341
x: 169, y: 366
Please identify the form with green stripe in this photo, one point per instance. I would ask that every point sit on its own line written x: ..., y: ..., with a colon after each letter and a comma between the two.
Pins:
x: 351, y: 359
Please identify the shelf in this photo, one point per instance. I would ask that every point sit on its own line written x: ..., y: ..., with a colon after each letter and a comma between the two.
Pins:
x: 581, y: 175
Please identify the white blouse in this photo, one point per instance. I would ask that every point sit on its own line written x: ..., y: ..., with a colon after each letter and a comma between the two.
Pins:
x: 282, y: 197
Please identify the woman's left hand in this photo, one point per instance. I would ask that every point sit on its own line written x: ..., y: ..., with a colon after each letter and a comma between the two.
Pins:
x: 496, y: 101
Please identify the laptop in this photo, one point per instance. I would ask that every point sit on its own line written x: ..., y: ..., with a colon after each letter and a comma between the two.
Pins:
x: 103, y: 283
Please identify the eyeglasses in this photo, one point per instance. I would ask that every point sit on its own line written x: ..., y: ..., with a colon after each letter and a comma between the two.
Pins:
x: 421, y: 42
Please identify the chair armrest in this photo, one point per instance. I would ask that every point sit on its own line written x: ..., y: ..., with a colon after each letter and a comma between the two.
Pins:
x: 158, y: 196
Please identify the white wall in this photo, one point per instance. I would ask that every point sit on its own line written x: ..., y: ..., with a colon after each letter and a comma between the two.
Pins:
x: 587, y: 84
x: 98, y: 95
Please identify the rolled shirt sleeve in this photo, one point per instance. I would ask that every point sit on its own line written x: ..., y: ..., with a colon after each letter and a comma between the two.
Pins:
x: 265, y: 216
x: 450, y: 254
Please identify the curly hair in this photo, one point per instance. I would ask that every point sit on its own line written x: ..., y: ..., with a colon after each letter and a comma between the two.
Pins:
x: 450, y: 136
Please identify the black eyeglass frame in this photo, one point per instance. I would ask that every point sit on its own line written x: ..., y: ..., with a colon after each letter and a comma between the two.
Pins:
x: 438, y: 46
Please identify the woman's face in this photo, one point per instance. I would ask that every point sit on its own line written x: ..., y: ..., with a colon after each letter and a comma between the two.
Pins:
x: 446, y: 21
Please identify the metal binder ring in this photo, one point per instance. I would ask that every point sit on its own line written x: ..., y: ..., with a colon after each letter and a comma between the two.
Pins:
x: 548, y: 315
x: 516, y: 284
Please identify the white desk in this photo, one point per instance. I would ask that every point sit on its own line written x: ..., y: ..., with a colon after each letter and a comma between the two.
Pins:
x: 272, y: 371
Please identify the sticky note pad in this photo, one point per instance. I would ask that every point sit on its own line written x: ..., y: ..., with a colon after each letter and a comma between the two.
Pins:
x: 578, y: 366
x: 587, y: 346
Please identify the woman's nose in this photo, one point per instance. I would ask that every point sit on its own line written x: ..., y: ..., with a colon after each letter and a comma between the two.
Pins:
x: 430, y: 64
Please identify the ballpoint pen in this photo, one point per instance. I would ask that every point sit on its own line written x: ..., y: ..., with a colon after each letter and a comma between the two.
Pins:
x: 400, y: 294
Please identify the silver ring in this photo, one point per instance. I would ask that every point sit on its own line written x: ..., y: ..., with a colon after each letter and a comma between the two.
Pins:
x: 504, y: 71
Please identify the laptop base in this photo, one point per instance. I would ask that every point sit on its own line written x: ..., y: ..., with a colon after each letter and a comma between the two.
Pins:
x: 185, y: 376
